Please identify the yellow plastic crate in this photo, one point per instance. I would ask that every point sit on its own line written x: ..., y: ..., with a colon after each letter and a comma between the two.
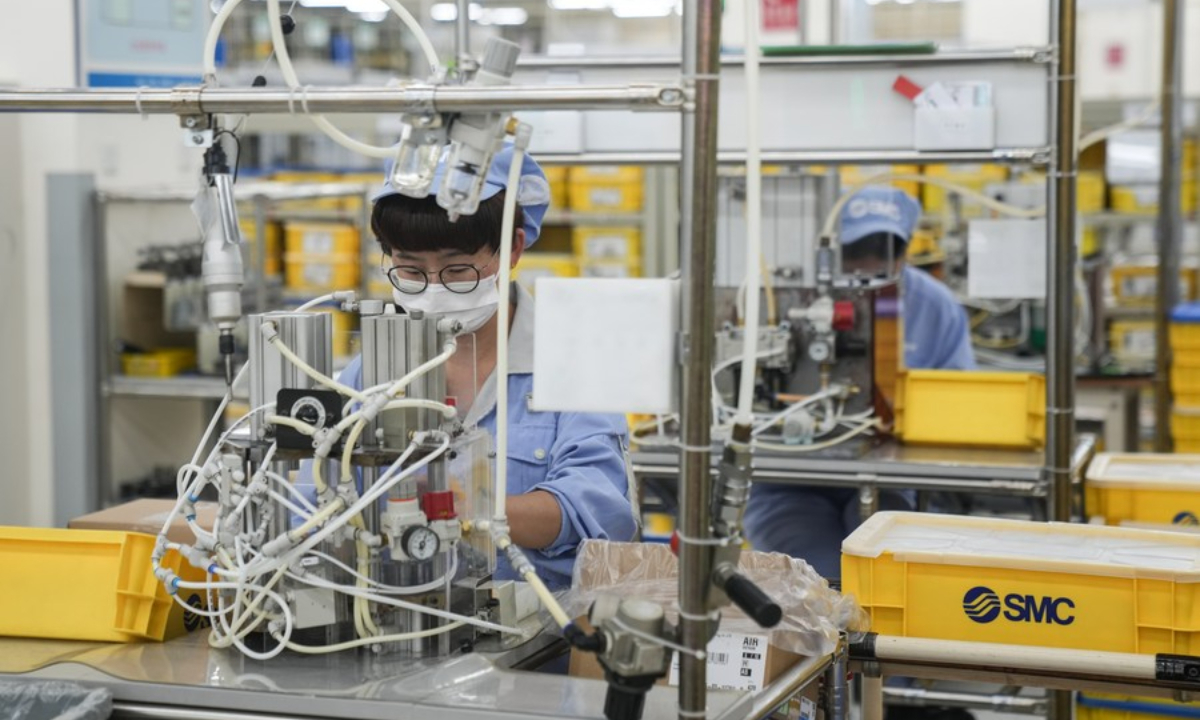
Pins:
x: 606, y: 269
x: 1132, y: 341
x: 159, y: 363
x: 557, y: 176
x: 321, y: 273
x: 1136, y: 285
x: 89, y: 585
x: 274, y: 250
x: 1016, y: 582
x: 1124, y: 707
x: 607, y: 174
x: 1185, y: 377
x: 536, y: 265
x: 600, y: 188
x: 980, y: 409
x: 851, y: 175
x: 321, y: 239
x: 1143, y: 199
x: 1163, y: 489
x: 1184, y: 336
x: 976, y: 177
x: 1090, y: 189
x: 1185, y: 424
x: 607, y: 243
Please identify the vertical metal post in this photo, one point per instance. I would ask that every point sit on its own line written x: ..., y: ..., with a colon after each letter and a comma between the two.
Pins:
x: 106, y: 489
x: 462, y: 38
x: 698, y: 203
x: 1060, y: 268
x: 1170, y: 217
x: 260, y: 253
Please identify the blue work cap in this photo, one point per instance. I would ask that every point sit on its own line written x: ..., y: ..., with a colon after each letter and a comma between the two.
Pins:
x: 533, y: 193
x: 879, y: 209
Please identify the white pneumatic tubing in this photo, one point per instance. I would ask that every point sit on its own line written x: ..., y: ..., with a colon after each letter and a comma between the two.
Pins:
x: 502, y: 312
x: 753, y: 219
x: 1015, y: 657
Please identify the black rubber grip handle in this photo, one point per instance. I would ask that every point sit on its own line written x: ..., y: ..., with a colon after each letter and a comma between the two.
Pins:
x: 753, y: 601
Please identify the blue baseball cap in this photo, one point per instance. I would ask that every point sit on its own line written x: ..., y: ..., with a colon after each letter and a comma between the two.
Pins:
x: 879, y: 209
x: 533, y: 193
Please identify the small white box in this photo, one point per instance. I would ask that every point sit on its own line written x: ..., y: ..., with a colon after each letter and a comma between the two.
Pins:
x: 605, y: 345
x: 970, y: 128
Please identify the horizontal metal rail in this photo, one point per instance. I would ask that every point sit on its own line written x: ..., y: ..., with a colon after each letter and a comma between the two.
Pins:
x: 200, y: 100
x: 1020, y: 156
x: 1037, y: 55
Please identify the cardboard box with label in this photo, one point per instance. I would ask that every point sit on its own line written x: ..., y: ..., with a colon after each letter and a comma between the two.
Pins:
x: 147, y: 516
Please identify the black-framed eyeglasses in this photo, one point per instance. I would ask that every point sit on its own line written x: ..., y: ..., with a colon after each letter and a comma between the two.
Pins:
x: 460, y: 278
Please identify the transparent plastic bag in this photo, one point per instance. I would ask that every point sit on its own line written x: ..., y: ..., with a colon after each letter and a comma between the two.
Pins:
x: 53, y: 700
x: 813, y: 613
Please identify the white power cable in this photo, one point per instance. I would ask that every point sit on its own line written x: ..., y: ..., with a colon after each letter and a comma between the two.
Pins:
x: 753, y: 281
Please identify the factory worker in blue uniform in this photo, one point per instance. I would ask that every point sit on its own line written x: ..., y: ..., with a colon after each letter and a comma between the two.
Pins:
x: 876, y: 225
x: 568, y: 476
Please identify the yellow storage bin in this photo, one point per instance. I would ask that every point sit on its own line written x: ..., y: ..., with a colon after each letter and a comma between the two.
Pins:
x: 610, y: 188
x: 1143, y: 199
x: 1185, y: 378
x: 1017, y: 582
x: 607, y: 243
x: 95, y: 585
x: 159, y: 363
x: 321, y: 273
x: 557, y: 176
x: 322, y: 239
x: 976, y: 177
x: 1124, y: 707
x: 536, y: 265
x: 606, y: 269
x: 274, y: 248
x: 1185, y: 424
x: 1162, y: 489
x: 1132, y: 341
x: 851, y: 175
x: 1184, y: 332
x: 607, y: 174
x: 981, y: 409
x: 1136, y: 285
x: 1090, y: 189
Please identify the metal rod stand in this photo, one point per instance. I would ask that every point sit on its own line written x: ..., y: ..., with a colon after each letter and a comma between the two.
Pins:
x: 1170, y: 217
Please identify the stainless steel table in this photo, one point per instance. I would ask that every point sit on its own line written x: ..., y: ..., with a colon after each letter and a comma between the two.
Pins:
x: 186, y: 680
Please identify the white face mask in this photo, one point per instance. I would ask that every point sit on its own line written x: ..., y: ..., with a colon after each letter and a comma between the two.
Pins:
x: 472, y: 309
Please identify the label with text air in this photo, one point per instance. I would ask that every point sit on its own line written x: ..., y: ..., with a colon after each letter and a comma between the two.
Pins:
x: 735, y: 662
x: 985, y: 606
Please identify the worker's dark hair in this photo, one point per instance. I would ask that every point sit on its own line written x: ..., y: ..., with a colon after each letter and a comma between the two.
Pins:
x: 875, y: 247
x: 421, y: 225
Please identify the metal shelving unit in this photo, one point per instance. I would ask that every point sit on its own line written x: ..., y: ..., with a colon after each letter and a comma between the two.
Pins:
x: 262, y: 199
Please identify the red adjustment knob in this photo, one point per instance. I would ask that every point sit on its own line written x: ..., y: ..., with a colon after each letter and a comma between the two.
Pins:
x: 438, y: 505
x: 843, y: 315
x: 675, y: 543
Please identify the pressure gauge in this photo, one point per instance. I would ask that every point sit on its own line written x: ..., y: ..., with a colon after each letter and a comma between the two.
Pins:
x: 419, y: 543
x: 819, y: 351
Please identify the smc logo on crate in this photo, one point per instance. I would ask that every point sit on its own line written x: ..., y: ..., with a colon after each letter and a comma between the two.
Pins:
x: 983, y: 605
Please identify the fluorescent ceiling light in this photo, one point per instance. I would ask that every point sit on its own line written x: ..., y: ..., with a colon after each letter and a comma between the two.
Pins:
x: 641, y: 8
x: 358, y: 6
x: 579, y: 4
x: 448, y: 12
x: 504, y: 16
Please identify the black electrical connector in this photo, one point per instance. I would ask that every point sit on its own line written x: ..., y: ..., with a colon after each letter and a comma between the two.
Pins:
x: 287, y: 23
x: 1179, y: 669
x: 216, y: 162
x: 626, y: 696
x: 259, y: 81
x: 577, y: 638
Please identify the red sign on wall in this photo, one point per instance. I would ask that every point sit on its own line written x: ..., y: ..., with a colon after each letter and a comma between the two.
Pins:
x: 1114, y: 55
x: 781, y: 14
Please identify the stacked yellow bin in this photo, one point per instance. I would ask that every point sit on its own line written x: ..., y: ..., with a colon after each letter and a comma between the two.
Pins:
x: 608, y: 251
x: 975, y: 177
x: 536, y: 265
x: 852, y: 175
x: 606, y: 188
x: 1135, y: 285
x: 556, y: 176
x: 273, y: 258
x: 1185, y: 377
x: 321, y: 257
